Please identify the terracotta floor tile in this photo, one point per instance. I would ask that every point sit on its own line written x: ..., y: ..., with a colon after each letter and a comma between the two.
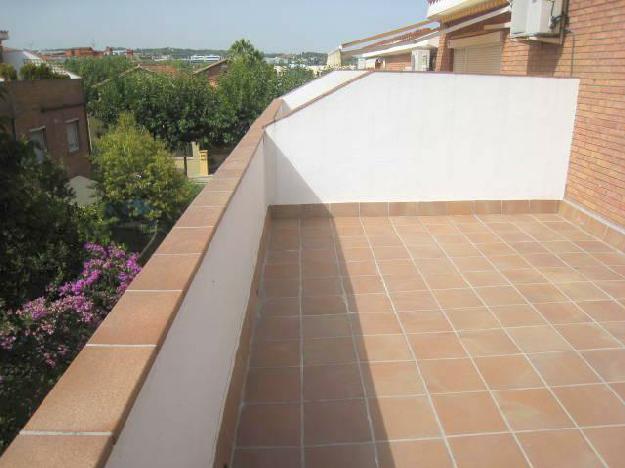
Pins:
x: 457, y: 298
x: 472, y: 319
x: 619, y: 388
x: 615, y: 289
x: 281, y: 271
x: 563, y: 368
x: 599, y: 273
x: 321, y: 287
x: 276, y: 329
x: 403, y: 418
x: 562, y: 275
x: 413, y: 301
x: 281, y: 287
x: 604, y: 310
x: 365, y: 268
x: 592, y: 405
x: 366, y: 303
x: 330, y: 351
x: 410, y: 282
x: 320, y: 269
x: 537, y: 293
x: 532, y: 409
x: 331, y: 422
x: 446, y: 281
x: 500, y: 296
x: 435, y: 266
x: 375, y: 324
x: 610, y: 364
x: 509, y: 262
x: 332, y: 382
x: 282, y: 256
x: 267, y: 458
x: 544, y: 260
x: 465, y: 413
x: 391, y: 378
x: 382, y: 348
x: 487, y: 342
x: 282, y: 306
x: 275, y: 354
x: 363, y: 285
x: 548, y: 449
x: 538, y: 339
x: 587, y: 336
x: 508, y: 372
x: 341, y: 456
x: 323, y: 305
x: 355, y: 254
x: 425, y: 321
x: 487, y: 451
x: 450, y: 375
x: 562, y: 312
x: 617, y: 329
x: 524, y: 276
x: 269, y: 425
x: 495, y: 248
x: 479, y: 279
x: 609, y: 443
x: 582, y: 291
x: 272, y: 385
x: 436, y: 345
x: 397, y: 267
x: 461, y: 250
x: 467, y: 264
x: 326, y: 326
x: 413, y: 454
x: 517, y: 315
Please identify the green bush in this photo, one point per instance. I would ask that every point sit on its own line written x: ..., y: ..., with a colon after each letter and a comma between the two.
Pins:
x: 94, y: 70
x: 7, y: 72
x: 30, y: 71
x: 136, y: 178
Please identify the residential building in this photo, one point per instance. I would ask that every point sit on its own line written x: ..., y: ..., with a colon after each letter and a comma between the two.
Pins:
x: 410, y: 48
x: 586, y: 43
x: 50, y: 113
x: 204, y: 58
x: 213, y: 71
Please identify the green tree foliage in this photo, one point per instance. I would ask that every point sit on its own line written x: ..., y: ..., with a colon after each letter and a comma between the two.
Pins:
x: 7, y: 71
x: 136, y: 177
x: 244, y: 50
x: 94, y: 70
x: 177, y: 109
x: 31, y: 71
x: 39, y: 234
x: 292, y: 78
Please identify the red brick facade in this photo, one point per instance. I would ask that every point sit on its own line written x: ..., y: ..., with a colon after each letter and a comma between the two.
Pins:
x: 51, y: 104
x: 593, y: 51
x: 398, y: 62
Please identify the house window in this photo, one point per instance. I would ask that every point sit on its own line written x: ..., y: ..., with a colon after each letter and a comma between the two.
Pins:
x: 38, y: 137
x: 73, y: 138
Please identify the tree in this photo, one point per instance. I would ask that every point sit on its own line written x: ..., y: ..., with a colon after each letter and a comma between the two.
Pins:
x: 7, y: 72
x: 292, y: 78
x: 43, y: 71
x: 94, y: 70
x: 243, y: 49
x: 39, y: 234
x: 136, y: 176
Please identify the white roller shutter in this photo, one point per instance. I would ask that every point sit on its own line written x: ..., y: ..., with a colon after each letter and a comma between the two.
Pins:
x: 478, y: 59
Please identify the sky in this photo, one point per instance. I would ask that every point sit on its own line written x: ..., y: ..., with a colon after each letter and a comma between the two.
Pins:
x: 272, y: 25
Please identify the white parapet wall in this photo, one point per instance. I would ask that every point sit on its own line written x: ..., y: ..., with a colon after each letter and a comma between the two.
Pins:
x: 176, y: 418
x: 426, y: 137
x: 315, y: 88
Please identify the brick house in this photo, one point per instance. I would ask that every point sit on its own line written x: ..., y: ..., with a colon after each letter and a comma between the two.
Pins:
x: 213, y: 71
x: 51, y: 113
x: 590, y: 47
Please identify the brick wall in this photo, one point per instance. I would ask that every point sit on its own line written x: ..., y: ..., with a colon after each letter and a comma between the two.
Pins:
x: 595, y: 53
x: 50, y: 104
x: 398, y: 62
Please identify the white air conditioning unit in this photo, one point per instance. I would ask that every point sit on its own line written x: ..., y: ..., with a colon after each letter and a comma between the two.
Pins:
x: 536, y: 18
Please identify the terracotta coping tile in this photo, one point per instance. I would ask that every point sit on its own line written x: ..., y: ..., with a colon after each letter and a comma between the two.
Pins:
x: 139, y: 318
x: 200, y: 216
x: 95, y: 393
x: 186, y: 241
x: 66, y: 451
x: 166, y: 272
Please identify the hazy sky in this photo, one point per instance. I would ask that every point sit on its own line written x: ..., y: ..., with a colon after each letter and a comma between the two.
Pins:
x: 272, y: 25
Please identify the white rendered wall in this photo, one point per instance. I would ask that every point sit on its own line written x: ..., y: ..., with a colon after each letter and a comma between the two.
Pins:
x: 176, y: 418
x: 315, y: 88
x: 426, y: 137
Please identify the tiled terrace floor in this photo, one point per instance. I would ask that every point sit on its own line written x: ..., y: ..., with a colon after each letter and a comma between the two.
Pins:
x: 433, y: 341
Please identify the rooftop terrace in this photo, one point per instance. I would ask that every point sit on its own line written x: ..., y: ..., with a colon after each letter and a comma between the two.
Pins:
x: 385, y: 272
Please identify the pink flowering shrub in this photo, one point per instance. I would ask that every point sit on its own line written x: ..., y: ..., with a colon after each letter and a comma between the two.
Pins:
x: 38, y: 341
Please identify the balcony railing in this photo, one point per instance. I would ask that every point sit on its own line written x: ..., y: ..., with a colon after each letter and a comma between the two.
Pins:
x: 159, y: 384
